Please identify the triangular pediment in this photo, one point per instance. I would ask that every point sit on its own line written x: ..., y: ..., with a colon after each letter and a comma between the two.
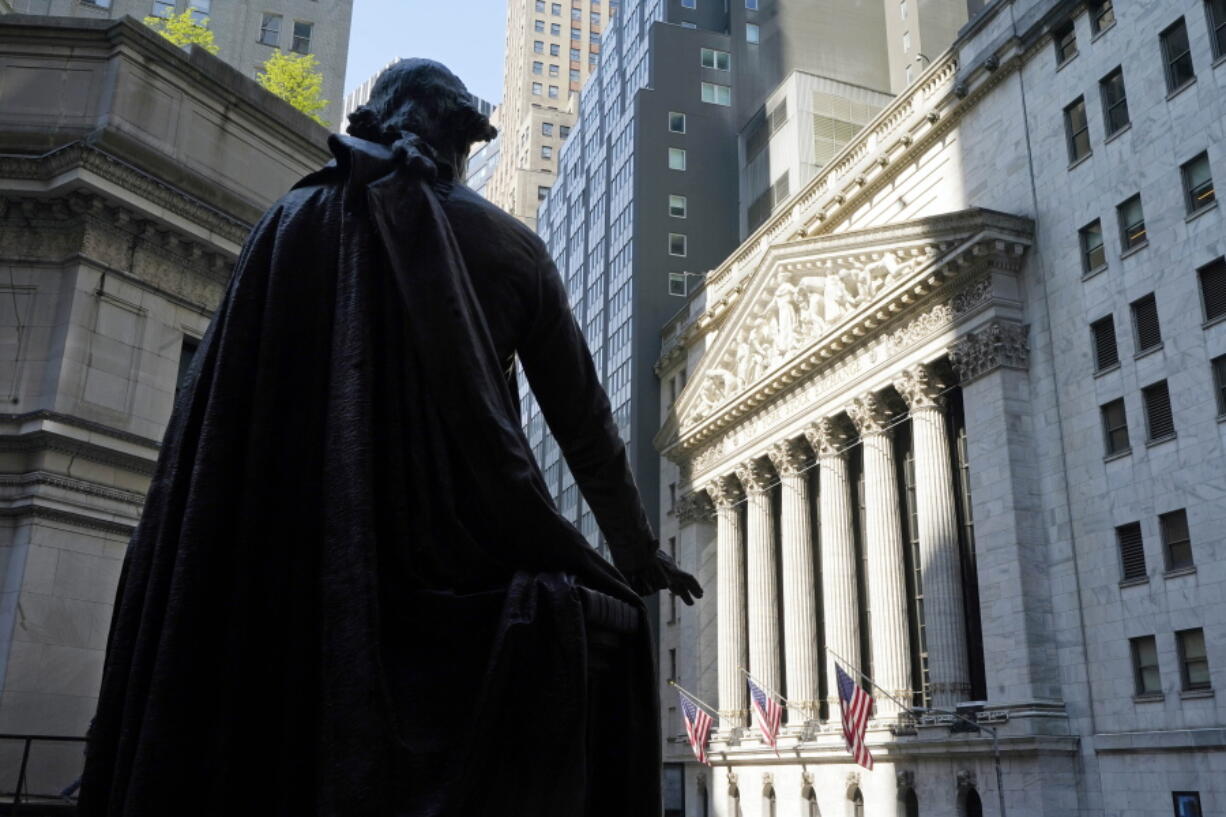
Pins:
x: 823, y: 291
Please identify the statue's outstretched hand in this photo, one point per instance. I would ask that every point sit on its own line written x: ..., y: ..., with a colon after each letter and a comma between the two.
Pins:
x: 662, y: 573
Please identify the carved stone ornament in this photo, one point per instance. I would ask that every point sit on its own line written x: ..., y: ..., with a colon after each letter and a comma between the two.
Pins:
x: 869, y: 414
x: 996, y: 345
x: 919, y: 389
x: 966, y: 779
x: 756, y: 475
x: 695, y: 507
x: 826, y: 437
x: 724, y: 492
x: 768, y: 784
x: 790, y: 457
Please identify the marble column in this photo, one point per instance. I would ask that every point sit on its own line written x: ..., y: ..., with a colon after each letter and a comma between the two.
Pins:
x: 887, y: 584
x: 792, y: 461
x: 756, y: 478
x: 940, y: 560
x: 840, y: 598
x: 726, y: 494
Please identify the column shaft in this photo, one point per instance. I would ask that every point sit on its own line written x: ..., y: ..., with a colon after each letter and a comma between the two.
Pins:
x: 763, y: 585
x: 800, y: 637
x: 730, y: 601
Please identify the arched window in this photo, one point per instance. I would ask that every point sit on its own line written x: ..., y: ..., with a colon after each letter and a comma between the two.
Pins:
x: 972, y: 806
x: 910, y: 804
x: 857, y: 802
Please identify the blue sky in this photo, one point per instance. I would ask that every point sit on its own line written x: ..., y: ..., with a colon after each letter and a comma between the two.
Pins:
x: 466, y: 35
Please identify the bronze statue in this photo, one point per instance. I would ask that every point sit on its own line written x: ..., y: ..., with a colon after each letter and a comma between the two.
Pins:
x: 350, y: 593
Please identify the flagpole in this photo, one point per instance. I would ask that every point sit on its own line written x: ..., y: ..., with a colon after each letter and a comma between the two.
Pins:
x: 773, y: 693
x: 710, y: 709
x: 1000, y: 784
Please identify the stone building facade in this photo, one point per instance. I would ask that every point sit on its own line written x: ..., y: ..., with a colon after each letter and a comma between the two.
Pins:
x: 954, y: 414
x: 246, y: 33
x: 130, y: 174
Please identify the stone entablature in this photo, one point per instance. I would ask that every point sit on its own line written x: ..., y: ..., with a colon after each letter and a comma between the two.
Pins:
x: 887, y: 291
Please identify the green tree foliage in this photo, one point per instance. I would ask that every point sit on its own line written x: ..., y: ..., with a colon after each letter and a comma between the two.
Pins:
x: 183, y: 31
x: 293, y: 78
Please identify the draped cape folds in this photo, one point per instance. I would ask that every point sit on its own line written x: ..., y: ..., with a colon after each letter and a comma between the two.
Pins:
x: 350, y: 594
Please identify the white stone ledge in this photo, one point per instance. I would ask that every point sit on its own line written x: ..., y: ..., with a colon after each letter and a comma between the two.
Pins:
x: 1164, y: 740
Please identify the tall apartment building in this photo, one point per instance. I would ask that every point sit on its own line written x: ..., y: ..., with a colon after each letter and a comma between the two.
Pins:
x: 551, y: 48
x: 361, y: 93
x: 246, y: 33
x: 673, y: 148
x: 954, y: 419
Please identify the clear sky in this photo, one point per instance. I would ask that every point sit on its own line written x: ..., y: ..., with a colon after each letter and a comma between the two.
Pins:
x: 468, y: 36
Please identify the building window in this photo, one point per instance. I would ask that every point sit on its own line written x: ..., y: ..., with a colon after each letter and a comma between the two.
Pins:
x: 1219, y: 383
x: 201, y: 9
x: 538, y: 26
x: 676, y: 159
x: 1213, y: 288
x: 556, y: 9
x: 906, y: 42
x: 538, y: 67
x: 752, y: 33
x: 302, y: 37
x: 591, y: 62
x: 546, y: 129
x: 719, y: 60
x: 1093, y: 256
x: 1132, y: 223
x: 594, y: 37
x: 1077, y: 129
x: 751, y: 5
x: 164, y: 8
x: 1215, y: 10
x: 538, y: 47
x: 555, y: 29
x: 553, y: 70
x: 910, y: 73
x: 678, y: 206
x: 540, y: 6
x: 536, y: 89
x: 1193, y: 661
x: 553, y: 92
x: 1115, y: 101
x: 1066, y: 43
x: 676, y: 122
x: 1177, y: 55
x: 187, y: 353
x: 1132, y: 551
x: 1198, y: 184
x: 716, y: 94
x: 576, y: 13
x: 546, y: 152
x: 1106, y: 354
x: 1159, y: 421
x: 689, y: 4
x: 676, y: 244
x: 1102, y: 15
x: 1186, y: 803
x: 594, y: 18
x: 554, y: 49
x: 564, y: 131
x: 542, y: 192
x: 1145, y: 665
x: 1115, y: 427
x: 270, y: 29
x: 574, y: 75
x: 902, y: 10
x: 574, y: 55
x: 1176, y: 541
x: 1146, y: 330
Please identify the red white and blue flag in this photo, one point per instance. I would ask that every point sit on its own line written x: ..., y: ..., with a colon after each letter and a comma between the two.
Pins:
x: 697, y: 726
x: 857, y: 706
x: 768, y: 709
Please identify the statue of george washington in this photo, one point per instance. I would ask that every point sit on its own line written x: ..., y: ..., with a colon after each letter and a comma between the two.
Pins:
x: 350, y: 594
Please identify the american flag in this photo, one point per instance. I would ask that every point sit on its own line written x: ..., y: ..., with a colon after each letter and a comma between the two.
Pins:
x: 856, y: 705
x: 697, y: 726
x: 769, y: 711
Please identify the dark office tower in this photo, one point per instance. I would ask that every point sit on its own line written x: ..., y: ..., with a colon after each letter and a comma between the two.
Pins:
x: 702, y: 117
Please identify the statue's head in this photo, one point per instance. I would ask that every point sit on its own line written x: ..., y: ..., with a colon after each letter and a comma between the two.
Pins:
x: 423, y: 97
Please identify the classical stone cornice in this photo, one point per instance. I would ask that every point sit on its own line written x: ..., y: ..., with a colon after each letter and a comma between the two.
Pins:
x: 80, y: 520
x: 80, y: 156
x: 34, y: 479
x: 41, y: 416
x: 39, y: 440
x: 999, y: 344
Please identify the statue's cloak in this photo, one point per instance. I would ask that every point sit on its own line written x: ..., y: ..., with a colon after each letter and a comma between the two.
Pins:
x: 350, y: 594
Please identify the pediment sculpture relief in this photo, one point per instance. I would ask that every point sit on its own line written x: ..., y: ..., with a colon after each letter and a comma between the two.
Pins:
x: 799, y: 309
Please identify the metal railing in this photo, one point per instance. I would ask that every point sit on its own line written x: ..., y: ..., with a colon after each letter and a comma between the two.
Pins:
x: 19, y: 799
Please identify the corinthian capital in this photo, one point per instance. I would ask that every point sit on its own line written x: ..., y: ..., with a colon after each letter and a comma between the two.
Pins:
x: 790, y: 457
x: 919, y: 388
x: 756, y: 475
x: 724, y: 492
x: 694, y: 507
x: 998, y: 344
x: 826, y: 437
x: 869, y: 414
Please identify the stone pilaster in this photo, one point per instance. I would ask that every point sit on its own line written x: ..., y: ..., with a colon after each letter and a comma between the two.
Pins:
x: 887, y: 585
x: 840, y: 603
x: 792, y: 461
x: 725, y: 494
x: 940, y: 561
x: 756, y: 478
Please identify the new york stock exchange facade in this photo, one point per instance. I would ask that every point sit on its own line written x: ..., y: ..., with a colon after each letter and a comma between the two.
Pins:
x: 889, y: 439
